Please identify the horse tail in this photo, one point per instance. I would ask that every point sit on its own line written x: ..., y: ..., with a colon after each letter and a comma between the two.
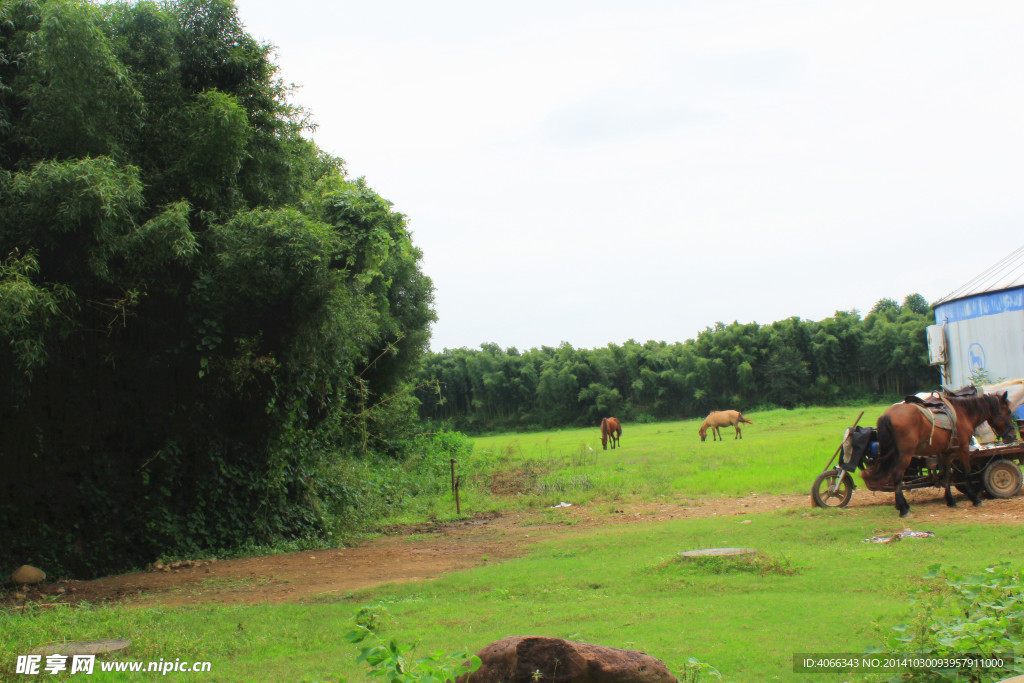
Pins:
x: 743, y: 419
x: 888, y: 453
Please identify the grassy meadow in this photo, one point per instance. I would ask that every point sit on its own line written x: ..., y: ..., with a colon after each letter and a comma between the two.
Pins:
x: 814, y: 587
x: 781, y: 452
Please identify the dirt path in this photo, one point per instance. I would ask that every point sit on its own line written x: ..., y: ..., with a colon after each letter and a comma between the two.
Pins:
x: 417, y: 553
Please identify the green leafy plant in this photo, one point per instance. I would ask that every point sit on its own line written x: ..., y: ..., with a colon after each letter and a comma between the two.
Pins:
x: 982, y: 377
x: 978, y: 615
x: 395, y: 662
x: 695, y: 670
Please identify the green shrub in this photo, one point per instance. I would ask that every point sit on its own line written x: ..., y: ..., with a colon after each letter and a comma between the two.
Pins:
x: 364, y: 493
x: 979, y: 615
x: 394, y: 663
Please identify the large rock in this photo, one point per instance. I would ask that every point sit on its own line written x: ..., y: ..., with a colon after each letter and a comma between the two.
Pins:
x: 517, y: 659
x: 26, y: 574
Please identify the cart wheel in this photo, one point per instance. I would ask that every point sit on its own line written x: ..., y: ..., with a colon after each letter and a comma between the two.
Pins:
x: 832, y: 489
x: 1002, y: 478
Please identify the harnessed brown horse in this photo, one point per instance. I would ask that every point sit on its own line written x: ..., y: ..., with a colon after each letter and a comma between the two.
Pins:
x: 721, y: 418
x: 610, y: 427
x: 904, y: 432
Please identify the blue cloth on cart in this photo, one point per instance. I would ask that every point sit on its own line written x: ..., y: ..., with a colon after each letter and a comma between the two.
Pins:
x: 859, y: 444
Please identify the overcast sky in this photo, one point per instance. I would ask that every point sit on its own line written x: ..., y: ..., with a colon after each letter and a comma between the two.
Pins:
x: 591, y: 172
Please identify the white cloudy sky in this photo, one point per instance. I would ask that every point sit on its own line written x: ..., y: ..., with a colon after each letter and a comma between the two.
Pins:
x: 593, y: 171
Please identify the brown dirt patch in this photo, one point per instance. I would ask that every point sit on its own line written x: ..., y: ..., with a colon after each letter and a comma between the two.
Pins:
x: 515, y: 481
x: 427, y: 551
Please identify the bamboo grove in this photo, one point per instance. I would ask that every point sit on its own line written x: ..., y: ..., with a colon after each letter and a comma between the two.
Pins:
x: 742, y: 366
x: 200, y: 314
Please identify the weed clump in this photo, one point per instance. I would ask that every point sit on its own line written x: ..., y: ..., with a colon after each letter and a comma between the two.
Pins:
x: 394, y: 661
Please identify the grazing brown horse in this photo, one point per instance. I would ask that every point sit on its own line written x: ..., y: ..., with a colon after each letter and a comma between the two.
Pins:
x: 904, y: 432
x: 721, y: 418
x: 610, y: 427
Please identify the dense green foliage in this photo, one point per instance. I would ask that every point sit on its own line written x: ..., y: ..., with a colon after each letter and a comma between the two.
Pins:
x: 790, y: 362
x: 977, y: 617
x: 200, y: 313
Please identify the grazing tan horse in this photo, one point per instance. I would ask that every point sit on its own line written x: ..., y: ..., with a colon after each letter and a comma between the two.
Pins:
x: 722, y: 418
x: 610, y: 427
x: 904, y: 432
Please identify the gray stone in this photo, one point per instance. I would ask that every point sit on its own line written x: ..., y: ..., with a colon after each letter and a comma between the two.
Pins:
x: 717, y: 552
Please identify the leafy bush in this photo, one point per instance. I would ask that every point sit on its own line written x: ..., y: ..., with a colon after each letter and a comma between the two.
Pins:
x: 360, y: 493
x: 393, y: 662
x: 980, y: 615
x: 432, y: 455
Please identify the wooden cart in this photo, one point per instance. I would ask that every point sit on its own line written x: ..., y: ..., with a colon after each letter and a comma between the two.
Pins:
x: 995, y: 469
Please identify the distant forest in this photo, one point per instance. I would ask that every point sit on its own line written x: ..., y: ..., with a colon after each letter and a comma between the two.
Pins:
x: 737, y: 366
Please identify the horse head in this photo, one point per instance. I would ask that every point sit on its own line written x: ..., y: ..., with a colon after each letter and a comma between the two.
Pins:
x: 703, y: 431
x: 1002, y: 413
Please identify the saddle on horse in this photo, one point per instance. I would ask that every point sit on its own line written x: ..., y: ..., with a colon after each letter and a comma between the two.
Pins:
x: 940, y: 412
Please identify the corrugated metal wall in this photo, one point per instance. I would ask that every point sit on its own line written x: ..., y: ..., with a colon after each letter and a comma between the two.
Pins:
x: 987, y: 332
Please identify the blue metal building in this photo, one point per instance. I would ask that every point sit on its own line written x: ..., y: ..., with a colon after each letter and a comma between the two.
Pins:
x: 980, y: 326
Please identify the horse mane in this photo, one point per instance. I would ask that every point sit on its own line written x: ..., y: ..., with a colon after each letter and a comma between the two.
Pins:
x: 983, y: 407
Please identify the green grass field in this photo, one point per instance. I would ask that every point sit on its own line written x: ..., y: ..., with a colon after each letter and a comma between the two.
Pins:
x: 817, y: 587
x: 781, y: 452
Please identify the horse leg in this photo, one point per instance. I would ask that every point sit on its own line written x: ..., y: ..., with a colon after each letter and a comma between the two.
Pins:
x: 965, y: 462
x: 901, y: 501
x: 947, y: 479
x: 739, y: 433
x: 906, y: 446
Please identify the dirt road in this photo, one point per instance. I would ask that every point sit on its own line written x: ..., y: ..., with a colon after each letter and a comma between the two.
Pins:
x: 425, y: 551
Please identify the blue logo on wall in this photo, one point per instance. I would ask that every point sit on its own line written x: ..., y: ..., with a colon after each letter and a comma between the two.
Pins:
x: 976, y: 357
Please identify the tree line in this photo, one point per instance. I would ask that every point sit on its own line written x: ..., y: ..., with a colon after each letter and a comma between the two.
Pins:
x: 201, y: 313
x: 741, y: 366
